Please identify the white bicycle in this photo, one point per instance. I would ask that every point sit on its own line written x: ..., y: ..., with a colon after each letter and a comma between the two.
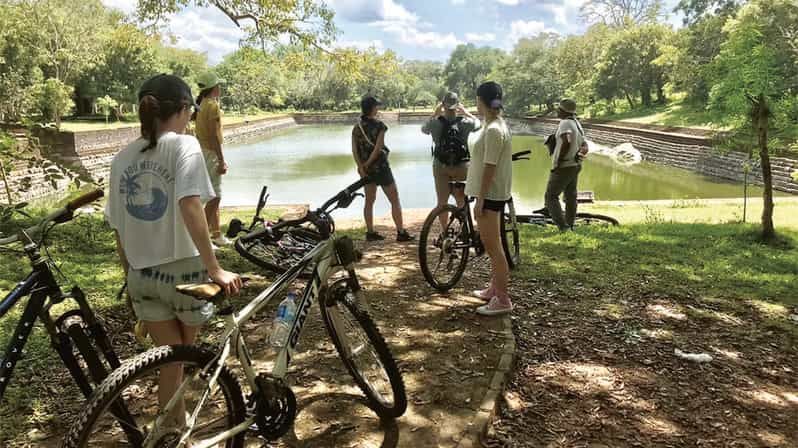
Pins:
x: 209, y: 408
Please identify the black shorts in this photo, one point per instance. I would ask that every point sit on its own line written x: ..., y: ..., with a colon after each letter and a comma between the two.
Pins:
x: 382, y: 176
x: 494, y: 206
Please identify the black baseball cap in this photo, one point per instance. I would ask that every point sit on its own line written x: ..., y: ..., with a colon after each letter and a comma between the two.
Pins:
x: 368, y: 103
x: 167, y: 88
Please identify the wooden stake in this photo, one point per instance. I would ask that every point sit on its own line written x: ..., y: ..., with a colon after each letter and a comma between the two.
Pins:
x: 5, y: 182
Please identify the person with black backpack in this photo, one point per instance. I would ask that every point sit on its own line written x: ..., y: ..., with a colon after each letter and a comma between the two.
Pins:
x: 450, y: 126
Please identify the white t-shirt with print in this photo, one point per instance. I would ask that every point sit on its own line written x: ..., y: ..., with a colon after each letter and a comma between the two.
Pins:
x: 493, y: 146
x: 145, y: 189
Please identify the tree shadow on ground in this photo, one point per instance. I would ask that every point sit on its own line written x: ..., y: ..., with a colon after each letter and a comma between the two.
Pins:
x: 600, y: 313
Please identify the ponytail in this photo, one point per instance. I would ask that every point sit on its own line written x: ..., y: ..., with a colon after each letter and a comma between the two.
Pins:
x: 149, y: 112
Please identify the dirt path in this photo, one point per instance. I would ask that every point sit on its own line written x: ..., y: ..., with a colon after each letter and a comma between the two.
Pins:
x: 445, y: 351
x: 596, y: 368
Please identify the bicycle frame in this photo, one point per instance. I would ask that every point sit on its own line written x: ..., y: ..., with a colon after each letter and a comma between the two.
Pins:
x: 45, y: 292
x: 324, y: 256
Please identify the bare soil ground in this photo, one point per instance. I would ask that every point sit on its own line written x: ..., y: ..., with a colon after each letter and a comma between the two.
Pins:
x: 593, y: 374
x: 445, y: 351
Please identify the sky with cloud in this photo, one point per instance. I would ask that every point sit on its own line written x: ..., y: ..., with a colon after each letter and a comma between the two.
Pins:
x: 415, y: 29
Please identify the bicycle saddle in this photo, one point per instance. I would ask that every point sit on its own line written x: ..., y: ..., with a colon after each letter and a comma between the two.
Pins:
x: 205, y: 291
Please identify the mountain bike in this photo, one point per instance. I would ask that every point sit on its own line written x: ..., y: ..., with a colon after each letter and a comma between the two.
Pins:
x: 285, y: 246
x: 443, y: 251
x: 216, y: 409
x: 76, y: 335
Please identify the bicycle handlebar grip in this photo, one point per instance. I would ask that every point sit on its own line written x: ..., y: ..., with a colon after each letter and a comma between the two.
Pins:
x: 518, y: 155
x: 85, y: 199
x: 358, y: 185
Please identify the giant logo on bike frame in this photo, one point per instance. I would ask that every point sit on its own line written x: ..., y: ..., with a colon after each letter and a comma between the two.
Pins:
x: 144, y: 186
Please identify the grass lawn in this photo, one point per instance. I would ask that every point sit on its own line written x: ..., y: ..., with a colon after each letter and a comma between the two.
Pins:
x: 675, y: 113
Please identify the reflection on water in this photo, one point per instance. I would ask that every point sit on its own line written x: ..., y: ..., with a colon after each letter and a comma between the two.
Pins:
x: 311, y: 163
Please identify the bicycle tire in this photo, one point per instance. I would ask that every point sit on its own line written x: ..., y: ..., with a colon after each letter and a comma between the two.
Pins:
x: 108, y: 392
x: 98, y: 372
x: 339, y: 292
x: 583, y: 219
x: 511, y: 245
x: 424, y: 242
x: 265, y: 253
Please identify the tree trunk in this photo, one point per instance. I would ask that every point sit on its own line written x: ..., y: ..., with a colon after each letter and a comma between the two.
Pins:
x: 761, y: 113
x: 630, y: 100
x: 645, y: 96
x: 661, y: 99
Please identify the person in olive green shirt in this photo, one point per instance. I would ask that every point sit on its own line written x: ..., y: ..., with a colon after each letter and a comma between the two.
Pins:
x: 208, y: 131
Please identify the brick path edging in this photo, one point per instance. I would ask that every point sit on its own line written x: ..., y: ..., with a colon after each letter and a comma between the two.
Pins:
x: 476, y: 430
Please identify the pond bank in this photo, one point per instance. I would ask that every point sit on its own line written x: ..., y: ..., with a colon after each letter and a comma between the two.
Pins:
x: 92, y: 151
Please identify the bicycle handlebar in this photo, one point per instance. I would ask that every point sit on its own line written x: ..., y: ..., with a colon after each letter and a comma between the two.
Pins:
x: 344, y: 195
x: 520, y: 155
x: 57, y: 215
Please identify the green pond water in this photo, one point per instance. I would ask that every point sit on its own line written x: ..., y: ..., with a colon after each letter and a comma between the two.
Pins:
x: 311, y: 163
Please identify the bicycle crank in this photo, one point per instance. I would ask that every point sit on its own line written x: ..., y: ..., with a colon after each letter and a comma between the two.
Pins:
x: 275, y: 407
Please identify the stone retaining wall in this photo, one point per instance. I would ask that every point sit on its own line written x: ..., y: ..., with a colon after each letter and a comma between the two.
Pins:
x: 694, y: 153
x: 92, y: 151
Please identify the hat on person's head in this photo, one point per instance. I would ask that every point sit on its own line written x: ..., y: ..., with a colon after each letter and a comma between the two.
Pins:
x: 568, y: 106
x: 167, y: 88
x: 209, y: 80
x: 368, y: 103
x: 451, y: 100
x: 491, y: 94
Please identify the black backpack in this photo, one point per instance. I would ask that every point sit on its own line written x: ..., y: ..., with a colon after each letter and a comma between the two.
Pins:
x: 451, y: 149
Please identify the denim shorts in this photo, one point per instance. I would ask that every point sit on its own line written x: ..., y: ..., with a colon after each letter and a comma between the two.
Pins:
x: 152, y: 292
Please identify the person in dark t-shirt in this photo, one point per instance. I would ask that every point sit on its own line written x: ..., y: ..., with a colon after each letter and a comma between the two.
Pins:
x: 371, y: 157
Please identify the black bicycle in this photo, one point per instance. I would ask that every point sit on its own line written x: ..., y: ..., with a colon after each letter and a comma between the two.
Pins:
x: 541, y: 217
x: 211, y: 396
x: 76, y: 335
x: 285, y: 246
x: 449, y: 235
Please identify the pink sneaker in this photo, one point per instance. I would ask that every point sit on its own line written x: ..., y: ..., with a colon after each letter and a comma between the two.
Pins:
x: 484, y: 294
x: 496, y: 307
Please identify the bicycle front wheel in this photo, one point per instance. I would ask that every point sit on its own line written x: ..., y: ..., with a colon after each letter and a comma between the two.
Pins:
x: 364, y: 352
x: 590, y: 219
x: 218, y: 408
x: 279, y: 256
x: 443, y: 249
x: 511, y: 240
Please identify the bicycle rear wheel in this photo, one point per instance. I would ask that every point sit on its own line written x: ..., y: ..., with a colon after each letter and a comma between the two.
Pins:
x: 363, y: 351
x: 589, y: 219
x: 136, y: 382
x: 279, y: 255
x: 511, y: 240
x: 443, y: 249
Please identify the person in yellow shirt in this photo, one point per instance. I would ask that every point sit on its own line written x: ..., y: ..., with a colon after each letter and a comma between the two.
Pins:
x: 208, y: 130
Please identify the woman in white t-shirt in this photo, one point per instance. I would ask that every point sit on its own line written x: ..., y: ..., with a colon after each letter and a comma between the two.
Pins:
x: 158, y: 185
x: 490, y: 178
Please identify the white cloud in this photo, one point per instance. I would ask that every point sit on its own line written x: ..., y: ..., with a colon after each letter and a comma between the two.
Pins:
x: 509, y: 2
x: 368, y: 11
x: 458, y: 2
x: 411, y: 35
x: 126, y: 6
x: 206, y: 30
x: 566, y: 13
x: 520, y: 29
x: 480, y: 37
